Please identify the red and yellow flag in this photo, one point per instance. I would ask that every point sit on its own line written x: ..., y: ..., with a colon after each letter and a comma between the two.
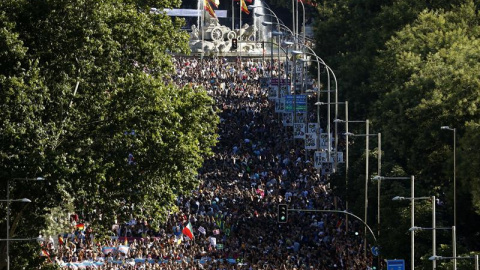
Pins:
x: 244, y: 7
x: 215, y: 3
x: 209, y: 9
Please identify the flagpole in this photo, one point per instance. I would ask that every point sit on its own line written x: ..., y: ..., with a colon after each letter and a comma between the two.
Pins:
x: 293, y: 23
x: 240, y: 33
x: 203, y: 23
x: 233, y: 15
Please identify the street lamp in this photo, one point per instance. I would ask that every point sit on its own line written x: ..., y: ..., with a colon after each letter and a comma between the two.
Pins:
x: 294, y: 76
x: 25, y: 200
x: 378, y: 178
x: 367, y: 135
x: 412, y: 199
x: 454, y: 242
x: 329, y: 70
x: 274, y: 33
x: 454, y: 172
x: 8, y: 210
x: 336, y: 121
x: 475, y: 258
x: 25, y: 239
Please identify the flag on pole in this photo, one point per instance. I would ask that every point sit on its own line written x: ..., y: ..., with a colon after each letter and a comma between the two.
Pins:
x: 44, y: 253
x: 209, y: 9
x: 60, y: 240
x: 244, y: 7
x: 188, y: 230
x: 339, y: 223
x: 215, y: 3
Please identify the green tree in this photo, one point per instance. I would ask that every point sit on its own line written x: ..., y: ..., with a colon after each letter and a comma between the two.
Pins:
x: 432, y: 80
x: 87, y: 102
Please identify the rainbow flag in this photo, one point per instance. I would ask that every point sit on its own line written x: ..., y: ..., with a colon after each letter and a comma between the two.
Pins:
x: 80, y: 227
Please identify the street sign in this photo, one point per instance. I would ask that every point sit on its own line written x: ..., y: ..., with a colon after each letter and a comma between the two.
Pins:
x: 375, y: 251
x: 395, y: 264
x: 296, y: 102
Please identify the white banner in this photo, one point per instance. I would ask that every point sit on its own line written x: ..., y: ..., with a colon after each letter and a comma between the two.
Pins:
x: 313, y: 128
x: 299, y: 130
x: 288, y: 119
x: 284, y: 90
x: 310, y: 141
x: 317, y: 159
x: 188, y: 12
x: 279, y: 105
x: 272, y: 92
x: 213, y: 241
x: 324, y: 140
x: 339, y: 157
x: 300, y: 118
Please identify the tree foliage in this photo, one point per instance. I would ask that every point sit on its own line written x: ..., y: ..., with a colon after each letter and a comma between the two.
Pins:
x: 87, y: 103
x: 411, y: 67
x: 432, y: 81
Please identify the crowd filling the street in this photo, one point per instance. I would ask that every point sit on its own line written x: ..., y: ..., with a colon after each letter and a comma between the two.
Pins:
x: 230, y: 220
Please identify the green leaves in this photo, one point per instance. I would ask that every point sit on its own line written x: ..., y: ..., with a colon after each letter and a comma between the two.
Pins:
x: 87, y: 103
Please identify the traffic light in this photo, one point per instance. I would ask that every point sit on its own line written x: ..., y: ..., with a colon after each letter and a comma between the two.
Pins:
x: 234, y: 43
x: 375, y: 263
x: 282, y: 213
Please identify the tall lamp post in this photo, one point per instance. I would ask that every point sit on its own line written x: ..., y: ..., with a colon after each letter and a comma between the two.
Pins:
x: 329, y: 70
x: 8, y: 211
x: 454, y: 172
x: 8, y: 201
x: 336, y: 121
x: 412, y: 199
x: 367, y: 153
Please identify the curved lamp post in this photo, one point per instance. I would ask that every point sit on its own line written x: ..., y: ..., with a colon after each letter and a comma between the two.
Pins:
x: 367, y: 158
x: 329, y: 70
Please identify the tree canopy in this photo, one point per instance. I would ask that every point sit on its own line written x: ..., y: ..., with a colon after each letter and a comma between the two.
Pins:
x: 412, y: 67
x: 87, y: 103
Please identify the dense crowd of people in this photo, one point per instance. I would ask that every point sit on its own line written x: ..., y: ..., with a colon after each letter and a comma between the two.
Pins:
x: 232, y: 215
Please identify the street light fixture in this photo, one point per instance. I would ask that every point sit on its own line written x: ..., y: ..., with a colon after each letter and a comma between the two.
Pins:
x: 454, y: 172
x: 378, y: 178
x: 412, y: 199
x: 367, y: 134
x: 474, y: 257
x: 39, y: 239
x: 329, y: 70
x: 8, y: 210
